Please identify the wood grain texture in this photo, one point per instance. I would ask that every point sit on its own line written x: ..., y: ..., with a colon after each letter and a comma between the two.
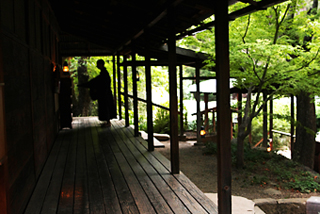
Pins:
x: 107, y: 170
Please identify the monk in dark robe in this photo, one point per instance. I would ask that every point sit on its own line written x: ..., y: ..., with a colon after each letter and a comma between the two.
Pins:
x: 100, y: 87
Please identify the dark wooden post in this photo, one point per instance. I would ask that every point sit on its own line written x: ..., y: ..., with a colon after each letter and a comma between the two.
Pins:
x: 114, y: 81
x: 125, y: 81
x: 214, y: 120
x: 174, y: 141
x: 3, y: 144
x: 271, y: 119
x: 181, y: 101
x: 206, y: 109
x: 223, y: 106
x: 292, y: 126
x: 199, y: 118
x: 265, y: 120
x: 135, y: 96
x: 231, y: 126
x: 239, y: 109
x: 119, y: 87
x: 149, y: 97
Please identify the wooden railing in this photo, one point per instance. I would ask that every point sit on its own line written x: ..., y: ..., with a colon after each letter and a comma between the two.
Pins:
x: 145, y: 101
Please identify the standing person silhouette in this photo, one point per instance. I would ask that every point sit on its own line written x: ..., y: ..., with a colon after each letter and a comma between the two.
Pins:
x: 101, y: 87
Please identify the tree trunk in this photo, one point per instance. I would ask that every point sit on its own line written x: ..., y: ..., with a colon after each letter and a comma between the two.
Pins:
x: 315, y: 5
x: 265, y: 121
x: 304, y: 147
x: 243, y: 127
x: 84, y: 99
x: 240, y: 150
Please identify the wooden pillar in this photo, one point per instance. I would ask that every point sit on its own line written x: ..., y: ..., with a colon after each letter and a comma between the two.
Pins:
x: 114, y: 81
x: 240, y: 144
x: 135, y: 96
x: 250, y: 134
x: 239, y: 109
x: 149, y: 97
x: 214, y: 120
x: 119, y: 87
x: 265, y: 120
x: 125, y: 81
x: 174, y: 141
x: 199, y: 118
x: 3, y: 147
x: 271, y: 119
x: 3, y: 186
x: 206, y: 109
x: 223, y: 106
x: 231, y: 126
x: 181, y: 101
x: 292, y: 126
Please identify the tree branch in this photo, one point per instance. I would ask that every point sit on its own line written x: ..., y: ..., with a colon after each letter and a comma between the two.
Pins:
x: 275, y: 38
x: 306, y: 64
x: 246, y: 31
x: 247, y: 51
x: 285, y: 13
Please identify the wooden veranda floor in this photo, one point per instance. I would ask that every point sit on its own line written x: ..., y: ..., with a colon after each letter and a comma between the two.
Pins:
x: 107, y: 170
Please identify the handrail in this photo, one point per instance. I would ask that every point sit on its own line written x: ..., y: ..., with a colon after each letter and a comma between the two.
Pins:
x: 276, y: 131
x: 145, y: 101
x: 213, y: 110
x: 282, y: 133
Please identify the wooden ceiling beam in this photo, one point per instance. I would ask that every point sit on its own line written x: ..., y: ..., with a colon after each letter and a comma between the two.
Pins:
x: 232, y: 16
x: 156, y: 63
x: 161, y: 14
x: 186, y: 52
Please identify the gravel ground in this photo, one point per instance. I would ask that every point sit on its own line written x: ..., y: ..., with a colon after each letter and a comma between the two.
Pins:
x: 202, y: 170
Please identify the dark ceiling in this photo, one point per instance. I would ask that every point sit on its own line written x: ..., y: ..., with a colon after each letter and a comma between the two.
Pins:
x: 108, y: 27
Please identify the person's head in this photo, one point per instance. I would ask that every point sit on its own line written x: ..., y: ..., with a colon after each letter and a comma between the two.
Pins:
x: 100, y: 63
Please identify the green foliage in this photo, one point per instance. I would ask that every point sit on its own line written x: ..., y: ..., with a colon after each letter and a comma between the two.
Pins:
x: 281, y: 122
x: 143, y: 124
x: 92, y: 71
x: 192, y: 125
x: 159, y: 79
x: 269, y: 51
x: 263, y: 169
x: 210, y: 148
x: 161, y: 122
x: 262, y: 50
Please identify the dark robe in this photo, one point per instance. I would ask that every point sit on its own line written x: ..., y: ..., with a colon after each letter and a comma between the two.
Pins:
x: 106, y: 107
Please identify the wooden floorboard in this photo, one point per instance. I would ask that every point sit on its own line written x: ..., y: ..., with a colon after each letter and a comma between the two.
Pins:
x: 51, y: 200
x: 168, y: 195
x: 182, y: 194
x: 204, y: 201
x: 67, y: 188
x: 36, y: 201
x: 81, y: 200
x: 127, y: 202
x: 111, y: 201
x: 154, y: 196
x: 96, y: 201
x: 92, y: 169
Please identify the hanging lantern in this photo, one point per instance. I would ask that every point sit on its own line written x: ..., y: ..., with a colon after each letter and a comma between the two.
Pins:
x: 269, y: 147
x: 65, y: 67
x: 54, y: 68
x: 202, y: 132
x: 137, y: 76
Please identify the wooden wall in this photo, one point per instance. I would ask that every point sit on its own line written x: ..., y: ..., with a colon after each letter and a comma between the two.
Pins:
x: 28, y: 40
